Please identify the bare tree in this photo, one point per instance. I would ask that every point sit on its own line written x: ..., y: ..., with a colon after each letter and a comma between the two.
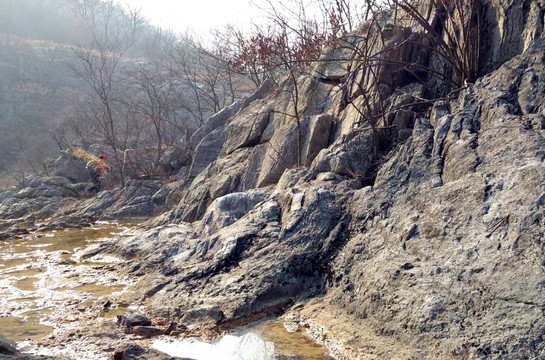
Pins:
x: 454, y: 29
x: 81, y: 125
x: 207, y: 75
x: 184, y: 64
x: 158, y: 102
x: 99, y: 67
x: 291, y: 43
x: 136, y: 22
x: 88, y: 9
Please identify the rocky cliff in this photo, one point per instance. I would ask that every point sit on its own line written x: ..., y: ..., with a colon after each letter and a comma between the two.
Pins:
x: 428, y: 244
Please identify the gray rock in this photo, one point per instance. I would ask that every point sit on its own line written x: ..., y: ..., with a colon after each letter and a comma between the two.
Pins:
x: 281, y: 153
x: 265, y: 89
x: 327, y: 176
x: 510, y: 31
x: 215, y: 121
x: 176, y: 156
x: 232, y: 173
x: 131, y: 320
x: 251, y: 248
x: 8, y: 351
x: 445, y: 244
x: 318, y: 137
x: 38, y: 198
x: 203, y: 315
x: 147, y: 331
x: 440, y: 249
x: 207, y: 150
x: 351, y: 155
x: 139, y: 198
x: 7, y: 347
x: 337, y: 61
x: 157, y: 245
x: 439, y: 109
x: 227, y: 209
x: 247, y: 128
x: 69, y: 167
x: 436, y: 251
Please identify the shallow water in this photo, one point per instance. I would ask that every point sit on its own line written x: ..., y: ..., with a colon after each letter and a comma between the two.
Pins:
x: 42, y: 273
x: 45, y: 287
x: 266, y: 340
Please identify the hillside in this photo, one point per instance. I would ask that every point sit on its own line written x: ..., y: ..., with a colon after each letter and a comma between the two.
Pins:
x: 157, y: 84
x: 391, y: 199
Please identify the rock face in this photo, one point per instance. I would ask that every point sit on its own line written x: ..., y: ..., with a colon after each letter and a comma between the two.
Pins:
x: 38, y: 195
x: 438, y: 254
x: 413, y: 232
x: 511, y: 27
x: 444, y: 247
x: 138, y: 199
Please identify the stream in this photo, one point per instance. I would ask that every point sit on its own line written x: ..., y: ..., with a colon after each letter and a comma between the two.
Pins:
x: 54, y: 302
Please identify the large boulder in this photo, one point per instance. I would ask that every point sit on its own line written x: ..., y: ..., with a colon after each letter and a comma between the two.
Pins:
x: 247, y: 128
x: 70, y: 167
x: 227, y: 209
x: 351, y: 156
x: 230, y: 173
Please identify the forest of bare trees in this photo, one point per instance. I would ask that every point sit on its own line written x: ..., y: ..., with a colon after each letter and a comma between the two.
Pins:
x: 84, y: 72
x: 77, y: 73
x: 91, y: 72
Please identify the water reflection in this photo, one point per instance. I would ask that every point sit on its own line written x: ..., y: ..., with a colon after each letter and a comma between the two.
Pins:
x: 21, y: 328
x: 266, y: 340
x: 245, y: 347
x: 43, y: 273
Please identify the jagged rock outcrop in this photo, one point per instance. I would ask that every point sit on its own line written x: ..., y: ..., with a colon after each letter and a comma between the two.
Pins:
x: 510, y: 27
x: 138, y: 199
x: 444, y: 247
x: 214, y: 122
x: 438, y: 255
x: 426, y: 244
x: 43, y: 195
x: 257, y: 251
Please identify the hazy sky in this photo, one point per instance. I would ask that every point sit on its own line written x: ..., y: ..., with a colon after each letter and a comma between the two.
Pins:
x: 199, y: 15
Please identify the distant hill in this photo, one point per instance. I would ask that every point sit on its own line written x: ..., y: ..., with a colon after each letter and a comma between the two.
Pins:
x: 47, y: 99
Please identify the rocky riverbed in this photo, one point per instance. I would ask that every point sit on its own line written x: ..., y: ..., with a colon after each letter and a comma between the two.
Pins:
x: 427, y: 244
x: 54, y: 302
x: 50, y: 296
